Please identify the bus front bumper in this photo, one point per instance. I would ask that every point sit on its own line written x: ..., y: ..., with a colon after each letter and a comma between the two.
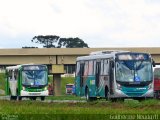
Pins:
x: 26, y: 93
x: 121, y: 94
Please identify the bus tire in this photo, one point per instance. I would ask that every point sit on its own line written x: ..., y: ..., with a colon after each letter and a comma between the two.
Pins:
x: 42, y: 98
x: 19, y: 98
x: 13, y: 97
x: 107, y: 95
x: 88, y: 98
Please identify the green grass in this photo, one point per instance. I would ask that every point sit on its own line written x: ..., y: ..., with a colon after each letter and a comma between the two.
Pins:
x: 145, y: 103
x: 96, y: 108
x: 65, y: 97
x: 66, y: 111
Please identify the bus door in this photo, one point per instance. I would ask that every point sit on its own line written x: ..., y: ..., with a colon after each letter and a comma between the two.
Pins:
x: 98, y: 70
x: 81, y: 76
x: 13, y: 82
x: 111, y: 76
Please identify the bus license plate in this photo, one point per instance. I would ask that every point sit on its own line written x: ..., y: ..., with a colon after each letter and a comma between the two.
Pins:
x: 34, y: 93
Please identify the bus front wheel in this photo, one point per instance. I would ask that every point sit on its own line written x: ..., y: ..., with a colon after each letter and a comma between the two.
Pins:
x: 19, y: 98
x: 42, y: 98
x: 13, y: 97
x: 107, y: 95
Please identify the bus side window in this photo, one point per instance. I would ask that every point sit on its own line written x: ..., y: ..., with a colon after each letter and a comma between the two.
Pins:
x: 90, y: 68
x: 10, y: 74
x: 86, y: 68
x: 78, y: 69
x: 102, y: 67
x: 94, y: 66
x: 81, y: 74
x: 106, y: 67
x: 82, y: 69
x: 98, y: 71
x: 16, y: 75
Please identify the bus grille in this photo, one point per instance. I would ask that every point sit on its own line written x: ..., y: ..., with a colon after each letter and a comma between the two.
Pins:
x: 134, y: 94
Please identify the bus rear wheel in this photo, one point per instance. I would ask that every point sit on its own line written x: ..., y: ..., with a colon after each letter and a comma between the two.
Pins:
x: 107, y: 95
x: 88, y: 98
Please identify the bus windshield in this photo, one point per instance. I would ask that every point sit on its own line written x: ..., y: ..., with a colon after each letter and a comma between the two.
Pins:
x: 31, y: 77
x: 133, y: 71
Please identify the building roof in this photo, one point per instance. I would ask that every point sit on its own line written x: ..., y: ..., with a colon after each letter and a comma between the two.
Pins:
x: 70, y: 51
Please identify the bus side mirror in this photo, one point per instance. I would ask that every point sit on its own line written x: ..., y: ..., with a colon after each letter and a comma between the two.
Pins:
x: 112, y: 64
x: 153, y: 63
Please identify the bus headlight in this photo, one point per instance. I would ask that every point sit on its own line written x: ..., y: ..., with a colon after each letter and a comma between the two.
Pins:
x: 119, y: 87
x: 23, y: 88
x: 45, y: 88
x: 150, y: 86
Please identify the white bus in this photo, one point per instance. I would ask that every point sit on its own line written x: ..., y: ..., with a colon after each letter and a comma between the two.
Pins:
x: 27, y: 81
x: 114, y: 74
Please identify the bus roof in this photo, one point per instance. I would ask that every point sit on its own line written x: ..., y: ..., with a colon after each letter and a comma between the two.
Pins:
x: 13, y: 67
x: 107, y: 52
x: 17, y: 66
x: 101, y: 54
x: 104, y: 54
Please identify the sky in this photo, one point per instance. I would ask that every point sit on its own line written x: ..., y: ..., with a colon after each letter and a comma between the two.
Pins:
x: 100, y: 23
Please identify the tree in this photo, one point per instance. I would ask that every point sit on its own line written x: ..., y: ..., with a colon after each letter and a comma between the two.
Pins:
x: 53, y: 41
x: 49, y: 41
x: 29, y: 47
x: 72, y: 43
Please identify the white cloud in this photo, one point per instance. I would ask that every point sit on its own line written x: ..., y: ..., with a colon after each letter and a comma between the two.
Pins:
x: 105, y: 23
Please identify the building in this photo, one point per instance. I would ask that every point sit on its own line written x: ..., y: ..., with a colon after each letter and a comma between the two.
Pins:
x: 59, y: 56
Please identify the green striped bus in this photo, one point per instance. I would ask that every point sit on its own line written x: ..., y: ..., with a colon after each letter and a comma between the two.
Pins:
x: 27, y: 81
